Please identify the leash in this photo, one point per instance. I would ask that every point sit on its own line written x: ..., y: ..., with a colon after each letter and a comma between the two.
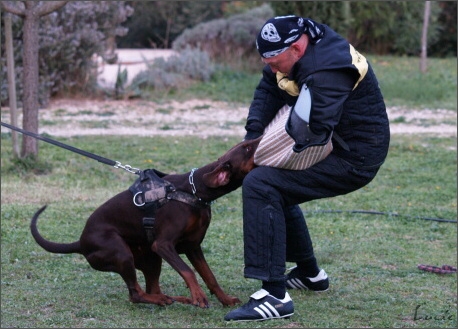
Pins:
x: 99, y: 158
x: 370, y: 212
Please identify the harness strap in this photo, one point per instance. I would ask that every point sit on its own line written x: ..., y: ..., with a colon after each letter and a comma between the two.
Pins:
x: 188, y: 198
x: 148, y: 224
x: 156, y: 197
x: 150, y: 192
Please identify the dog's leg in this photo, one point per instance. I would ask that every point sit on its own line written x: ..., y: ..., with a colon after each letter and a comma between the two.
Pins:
x: 166, y: 250
x: 112, y: 254
x: 150, y: 264
x: 197, y: 259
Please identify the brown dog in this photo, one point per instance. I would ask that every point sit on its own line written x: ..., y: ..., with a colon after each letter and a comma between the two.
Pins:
x: 114, y: 239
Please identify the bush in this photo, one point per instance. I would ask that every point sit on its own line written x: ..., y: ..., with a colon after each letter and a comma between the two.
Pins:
x: 177, y: 71
x: 155, y: 24
x: 69, y: 39
x: 230, y: 40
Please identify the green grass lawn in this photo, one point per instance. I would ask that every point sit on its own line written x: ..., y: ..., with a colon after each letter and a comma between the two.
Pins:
x: 371, y: 259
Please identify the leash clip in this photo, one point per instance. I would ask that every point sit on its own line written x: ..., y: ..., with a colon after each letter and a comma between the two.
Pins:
x: 127, y: 168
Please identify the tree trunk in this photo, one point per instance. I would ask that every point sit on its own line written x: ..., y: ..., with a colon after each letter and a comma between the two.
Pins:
x: 30, y: 76
x: 347, y: 17
x: 30, y: 11
x: 424, y: 37
x: 11, y: 80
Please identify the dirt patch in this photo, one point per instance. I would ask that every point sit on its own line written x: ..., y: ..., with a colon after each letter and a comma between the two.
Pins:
x: 410, y: 121
x: 202, y: 118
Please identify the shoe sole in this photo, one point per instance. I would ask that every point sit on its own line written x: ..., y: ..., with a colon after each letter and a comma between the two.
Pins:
x: 287, y: 316
x: 307, y: 289
x: 296, y: 284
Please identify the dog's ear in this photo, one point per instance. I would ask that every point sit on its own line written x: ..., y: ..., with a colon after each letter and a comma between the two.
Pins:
x: 218, y: 177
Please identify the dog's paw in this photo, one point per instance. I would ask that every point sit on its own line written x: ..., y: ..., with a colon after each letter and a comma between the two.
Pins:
x: 202, y: 304
x: 182, y: 299
x: 229, y: 300
x: 157, y: 299
x: 164, y: 300
x: 199, y: 302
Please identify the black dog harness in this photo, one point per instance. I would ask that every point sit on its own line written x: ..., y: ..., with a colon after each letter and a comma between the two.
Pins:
x: 150, y: 192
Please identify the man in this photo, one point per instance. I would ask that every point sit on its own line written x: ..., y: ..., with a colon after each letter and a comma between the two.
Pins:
x: 345, y: 105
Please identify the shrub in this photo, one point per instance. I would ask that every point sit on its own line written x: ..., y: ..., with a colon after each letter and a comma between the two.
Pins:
x: 229, y: 40
x: 69, y: 39
x: 177, y: 71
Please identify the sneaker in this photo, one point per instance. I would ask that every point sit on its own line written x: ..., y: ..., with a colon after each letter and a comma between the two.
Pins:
x: 262, y: 306
x: 318, y: 283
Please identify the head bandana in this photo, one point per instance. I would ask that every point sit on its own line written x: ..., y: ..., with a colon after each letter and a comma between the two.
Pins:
x: 280, y: 32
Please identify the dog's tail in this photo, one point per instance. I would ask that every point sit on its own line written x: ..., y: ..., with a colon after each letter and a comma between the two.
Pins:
x: 57, y: 248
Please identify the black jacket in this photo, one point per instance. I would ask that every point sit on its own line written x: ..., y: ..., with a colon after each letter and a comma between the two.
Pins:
x: 346, y: 100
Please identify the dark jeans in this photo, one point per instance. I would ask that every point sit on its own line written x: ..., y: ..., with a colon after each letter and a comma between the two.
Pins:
x: 274, y: 226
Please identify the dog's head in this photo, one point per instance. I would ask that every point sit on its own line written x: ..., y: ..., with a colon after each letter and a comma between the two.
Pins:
x: 233, y: 166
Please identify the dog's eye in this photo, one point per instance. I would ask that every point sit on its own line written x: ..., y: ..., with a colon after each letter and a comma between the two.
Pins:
x: 248, y: 149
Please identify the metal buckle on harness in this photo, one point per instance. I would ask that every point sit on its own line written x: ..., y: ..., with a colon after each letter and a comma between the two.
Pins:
x: 135, y: 201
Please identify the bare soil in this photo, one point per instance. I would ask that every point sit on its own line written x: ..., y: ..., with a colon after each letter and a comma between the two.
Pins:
x: 202, y: 118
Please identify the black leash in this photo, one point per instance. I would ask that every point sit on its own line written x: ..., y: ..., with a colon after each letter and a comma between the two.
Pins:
x: 99, y: 158
x: 370, y: 212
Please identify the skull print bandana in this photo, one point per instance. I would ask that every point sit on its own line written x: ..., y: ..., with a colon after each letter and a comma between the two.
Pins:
x: 280, y: 32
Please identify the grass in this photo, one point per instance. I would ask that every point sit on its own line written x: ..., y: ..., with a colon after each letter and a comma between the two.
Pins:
x: 400, y: 79
x: 403, y: 84
x: 371, y: 259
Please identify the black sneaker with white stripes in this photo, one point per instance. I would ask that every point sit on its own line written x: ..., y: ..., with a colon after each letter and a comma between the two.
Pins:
x: 318, y: 283
x: 262, y: 306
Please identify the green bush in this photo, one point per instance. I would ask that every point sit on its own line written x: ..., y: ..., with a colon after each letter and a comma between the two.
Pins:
x: 175, y: 72
x: 155, y: 24
x: 230, y: 40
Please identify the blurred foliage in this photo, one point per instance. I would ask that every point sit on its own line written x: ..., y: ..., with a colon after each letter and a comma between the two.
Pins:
x: 155, y: 24
x: 445, y: 46
x: 69, y: 40
x: 377, y: 27
x: 228, y: 40
x: 382, y: 27
x: 73, y: 37
x: 178, y: 71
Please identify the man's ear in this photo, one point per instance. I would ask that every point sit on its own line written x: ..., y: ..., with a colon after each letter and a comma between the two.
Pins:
x: 218, y: 177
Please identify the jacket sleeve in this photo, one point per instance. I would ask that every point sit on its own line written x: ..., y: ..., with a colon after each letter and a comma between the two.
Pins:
x: 329, y: 90
x: 266, y: 102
